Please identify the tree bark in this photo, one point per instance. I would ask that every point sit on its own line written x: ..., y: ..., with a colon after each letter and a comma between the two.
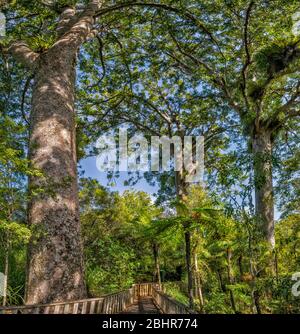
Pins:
x: 55, y: 258
x: 264, y: 200
x: 55, y: 270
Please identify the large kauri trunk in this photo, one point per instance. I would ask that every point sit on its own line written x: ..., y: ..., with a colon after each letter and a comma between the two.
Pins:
x: 55, y: 259
x: 55, y: 269
x: 264, y: 201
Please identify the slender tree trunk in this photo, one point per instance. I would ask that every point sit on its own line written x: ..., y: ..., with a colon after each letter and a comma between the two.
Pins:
x: 6, y: 271
x: 55, y: 258
x: 157, y: 276
x: 255, y: 307
x: 181, y: 191
x: 256, y: 301
x: 181, y: 186
x: 230, y: 279
x: 276, y: 265
x: 222, y: 285
x: 240, y: 263
x: 264, y: 200
x: 198, y: 285
x: 187, y: 236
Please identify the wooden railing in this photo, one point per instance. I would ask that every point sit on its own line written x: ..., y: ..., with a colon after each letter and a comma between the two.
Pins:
x: 144, y: 289
x: 107, y: 304
x: 168, y: 305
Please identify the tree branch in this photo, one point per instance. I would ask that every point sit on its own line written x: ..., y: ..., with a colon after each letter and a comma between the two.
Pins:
x: 153, y: 107
x: 247, y: 51
x: 26, y: 87
x: 66, y: 19
x: 289, y: 109
x: 23, y: 54
x: 184, y: 13
x: 219, y: 81
x: 102, y: 63
x: 81, y: 25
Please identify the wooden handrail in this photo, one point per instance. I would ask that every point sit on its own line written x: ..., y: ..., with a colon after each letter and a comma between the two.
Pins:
x: 106, y: 304
x: 61, y: 303
x: 168, y: 305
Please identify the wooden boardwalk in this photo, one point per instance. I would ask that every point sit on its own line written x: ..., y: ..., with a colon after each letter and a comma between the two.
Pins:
x: 144, y: 305
x: 144, y: 298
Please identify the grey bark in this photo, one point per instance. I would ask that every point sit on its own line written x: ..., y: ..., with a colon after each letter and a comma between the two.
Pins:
x: 264, y: 199
x: 55, y: 259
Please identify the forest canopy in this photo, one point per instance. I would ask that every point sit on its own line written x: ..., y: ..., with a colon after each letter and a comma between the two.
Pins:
x: 71, y: 71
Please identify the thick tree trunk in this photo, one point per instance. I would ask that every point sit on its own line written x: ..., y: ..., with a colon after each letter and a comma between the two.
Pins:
x: 55, y: 271
x: 55, y: 259
x: 264, y: 201
x: 157, y: 276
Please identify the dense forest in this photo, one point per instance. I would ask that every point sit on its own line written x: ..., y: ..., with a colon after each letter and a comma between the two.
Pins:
x: 226, y: 70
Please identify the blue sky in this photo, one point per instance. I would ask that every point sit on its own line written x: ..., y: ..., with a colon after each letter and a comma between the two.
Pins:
x: 90, y: 170
x: 88, y: 166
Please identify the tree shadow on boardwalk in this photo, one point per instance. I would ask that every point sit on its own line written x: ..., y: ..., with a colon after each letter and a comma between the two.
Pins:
x: 143, y: 305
